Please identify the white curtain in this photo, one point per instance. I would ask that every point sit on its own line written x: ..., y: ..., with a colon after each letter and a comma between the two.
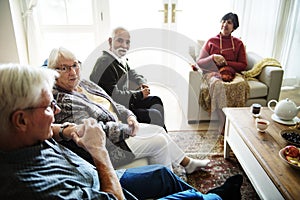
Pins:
x: 285, y: 29
x: 287, y: 42
x: 32, y: 32
x: 270, y: 28
x: 257, y: 24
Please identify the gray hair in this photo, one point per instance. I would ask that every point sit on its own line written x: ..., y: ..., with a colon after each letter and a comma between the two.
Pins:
x: 59, y: 54
x: 117, y: 30
x: 20, y: 87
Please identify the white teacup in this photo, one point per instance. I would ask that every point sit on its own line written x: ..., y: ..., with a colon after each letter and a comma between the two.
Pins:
x: 261, y: 124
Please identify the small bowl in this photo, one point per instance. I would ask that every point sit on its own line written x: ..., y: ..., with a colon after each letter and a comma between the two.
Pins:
x: 291, y: 133
x: 281, y: 155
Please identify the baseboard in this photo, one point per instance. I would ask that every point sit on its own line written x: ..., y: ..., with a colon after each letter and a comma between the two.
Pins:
x: 290, y: 82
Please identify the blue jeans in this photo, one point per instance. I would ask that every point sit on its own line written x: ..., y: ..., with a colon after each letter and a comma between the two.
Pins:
x: 157, y: 181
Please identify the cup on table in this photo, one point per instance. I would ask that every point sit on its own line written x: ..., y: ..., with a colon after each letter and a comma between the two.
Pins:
x: 261, y: 124
x: 255, y: 109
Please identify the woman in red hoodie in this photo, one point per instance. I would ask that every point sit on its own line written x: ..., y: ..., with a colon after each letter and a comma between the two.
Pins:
x: 221, y: 59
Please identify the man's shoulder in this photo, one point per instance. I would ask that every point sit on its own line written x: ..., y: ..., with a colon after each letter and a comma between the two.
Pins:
x: 105, y: 59
x: 106, y: 56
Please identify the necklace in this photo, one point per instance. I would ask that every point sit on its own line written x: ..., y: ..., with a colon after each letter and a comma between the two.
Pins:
x: 221, y: 47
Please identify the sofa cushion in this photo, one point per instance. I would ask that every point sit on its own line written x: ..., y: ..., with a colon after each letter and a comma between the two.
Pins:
x: 257, y: 89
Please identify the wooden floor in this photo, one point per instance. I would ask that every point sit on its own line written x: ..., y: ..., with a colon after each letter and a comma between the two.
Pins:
x: 176, y: 110
x: 292, y: 93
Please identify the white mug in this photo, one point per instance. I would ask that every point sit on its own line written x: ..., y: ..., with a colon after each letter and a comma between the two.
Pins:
x: 261, y: 124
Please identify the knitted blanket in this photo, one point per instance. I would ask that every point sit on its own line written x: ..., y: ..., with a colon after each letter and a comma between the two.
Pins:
x: 257, y: 68
x: 217, y: 94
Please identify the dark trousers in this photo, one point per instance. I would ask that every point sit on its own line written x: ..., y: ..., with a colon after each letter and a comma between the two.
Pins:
x: 156, y: 181
x: 149, y: 110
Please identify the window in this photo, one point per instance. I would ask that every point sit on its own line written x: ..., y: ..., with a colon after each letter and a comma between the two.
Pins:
x: 68, y: 23
x: 67, y: 12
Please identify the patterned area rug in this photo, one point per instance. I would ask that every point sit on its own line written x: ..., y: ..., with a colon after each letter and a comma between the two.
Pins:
x: 209, y: 144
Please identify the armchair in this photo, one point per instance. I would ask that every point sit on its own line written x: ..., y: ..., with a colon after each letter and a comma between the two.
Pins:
x: 266, y: 88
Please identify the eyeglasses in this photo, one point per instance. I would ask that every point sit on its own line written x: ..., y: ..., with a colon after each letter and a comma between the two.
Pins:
x: 52, y: 105
x: 67, y: 68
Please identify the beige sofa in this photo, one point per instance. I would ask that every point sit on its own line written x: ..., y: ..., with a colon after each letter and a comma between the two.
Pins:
x: 136, y: 163
x: 266, y: 88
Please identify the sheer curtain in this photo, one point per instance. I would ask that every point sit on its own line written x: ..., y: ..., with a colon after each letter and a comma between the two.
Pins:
x: 271, y: 28
x: 32, y: 32
x: 257, y: 24
x: 290, y: 43
x: 287, y: 35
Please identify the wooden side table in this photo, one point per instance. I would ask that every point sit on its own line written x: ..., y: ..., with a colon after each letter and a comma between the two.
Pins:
x: 258, y: 154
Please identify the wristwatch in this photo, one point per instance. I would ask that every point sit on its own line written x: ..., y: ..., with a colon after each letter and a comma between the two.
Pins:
x: 60, y: 133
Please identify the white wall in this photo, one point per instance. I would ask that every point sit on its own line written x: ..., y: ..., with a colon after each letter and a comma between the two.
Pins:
x: 8, y: 46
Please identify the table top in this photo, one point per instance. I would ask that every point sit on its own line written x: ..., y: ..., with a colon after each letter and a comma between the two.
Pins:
x: 265, y: 147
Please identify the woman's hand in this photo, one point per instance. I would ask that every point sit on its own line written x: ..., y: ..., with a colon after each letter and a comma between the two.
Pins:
x: 133, y: 124
x: 219, y: 60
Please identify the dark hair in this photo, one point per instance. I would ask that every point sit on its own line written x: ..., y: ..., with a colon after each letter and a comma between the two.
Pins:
x: 233, y: 17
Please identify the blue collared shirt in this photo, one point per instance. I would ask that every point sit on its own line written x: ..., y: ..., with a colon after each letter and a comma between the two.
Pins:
x: 48, y: 171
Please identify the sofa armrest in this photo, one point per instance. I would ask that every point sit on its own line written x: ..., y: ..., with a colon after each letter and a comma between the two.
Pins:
x: 194, y: 83
x: 272, y: 77
x: 193, y: 96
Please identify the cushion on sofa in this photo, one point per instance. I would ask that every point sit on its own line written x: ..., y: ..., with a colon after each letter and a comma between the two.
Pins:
x: 257, y: 89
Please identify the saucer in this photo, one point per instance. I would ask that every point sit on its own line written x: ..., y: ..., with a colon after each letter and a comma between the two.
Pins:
x: 285, y: 122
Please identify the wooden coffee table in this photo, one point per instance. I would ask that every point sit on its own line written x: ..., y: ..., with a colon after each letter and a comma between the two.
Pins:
x: 258, y: 154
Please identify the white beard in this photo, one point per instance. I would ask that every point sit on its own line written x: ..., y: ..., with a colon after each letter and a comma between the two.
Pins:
x: 120, y: 52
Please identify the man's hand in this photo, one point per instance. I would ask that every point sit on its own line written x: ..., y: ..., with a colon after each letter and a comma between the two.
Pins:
x: 146, y: 92
x: 133, y: 123
x: 68, y: 131
x: 90, y: 136
x: 144, y: 86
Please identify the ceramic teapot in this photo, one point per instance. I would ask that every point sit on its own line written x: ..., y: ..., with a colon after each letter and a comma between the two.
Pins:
x: 284, y: 109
